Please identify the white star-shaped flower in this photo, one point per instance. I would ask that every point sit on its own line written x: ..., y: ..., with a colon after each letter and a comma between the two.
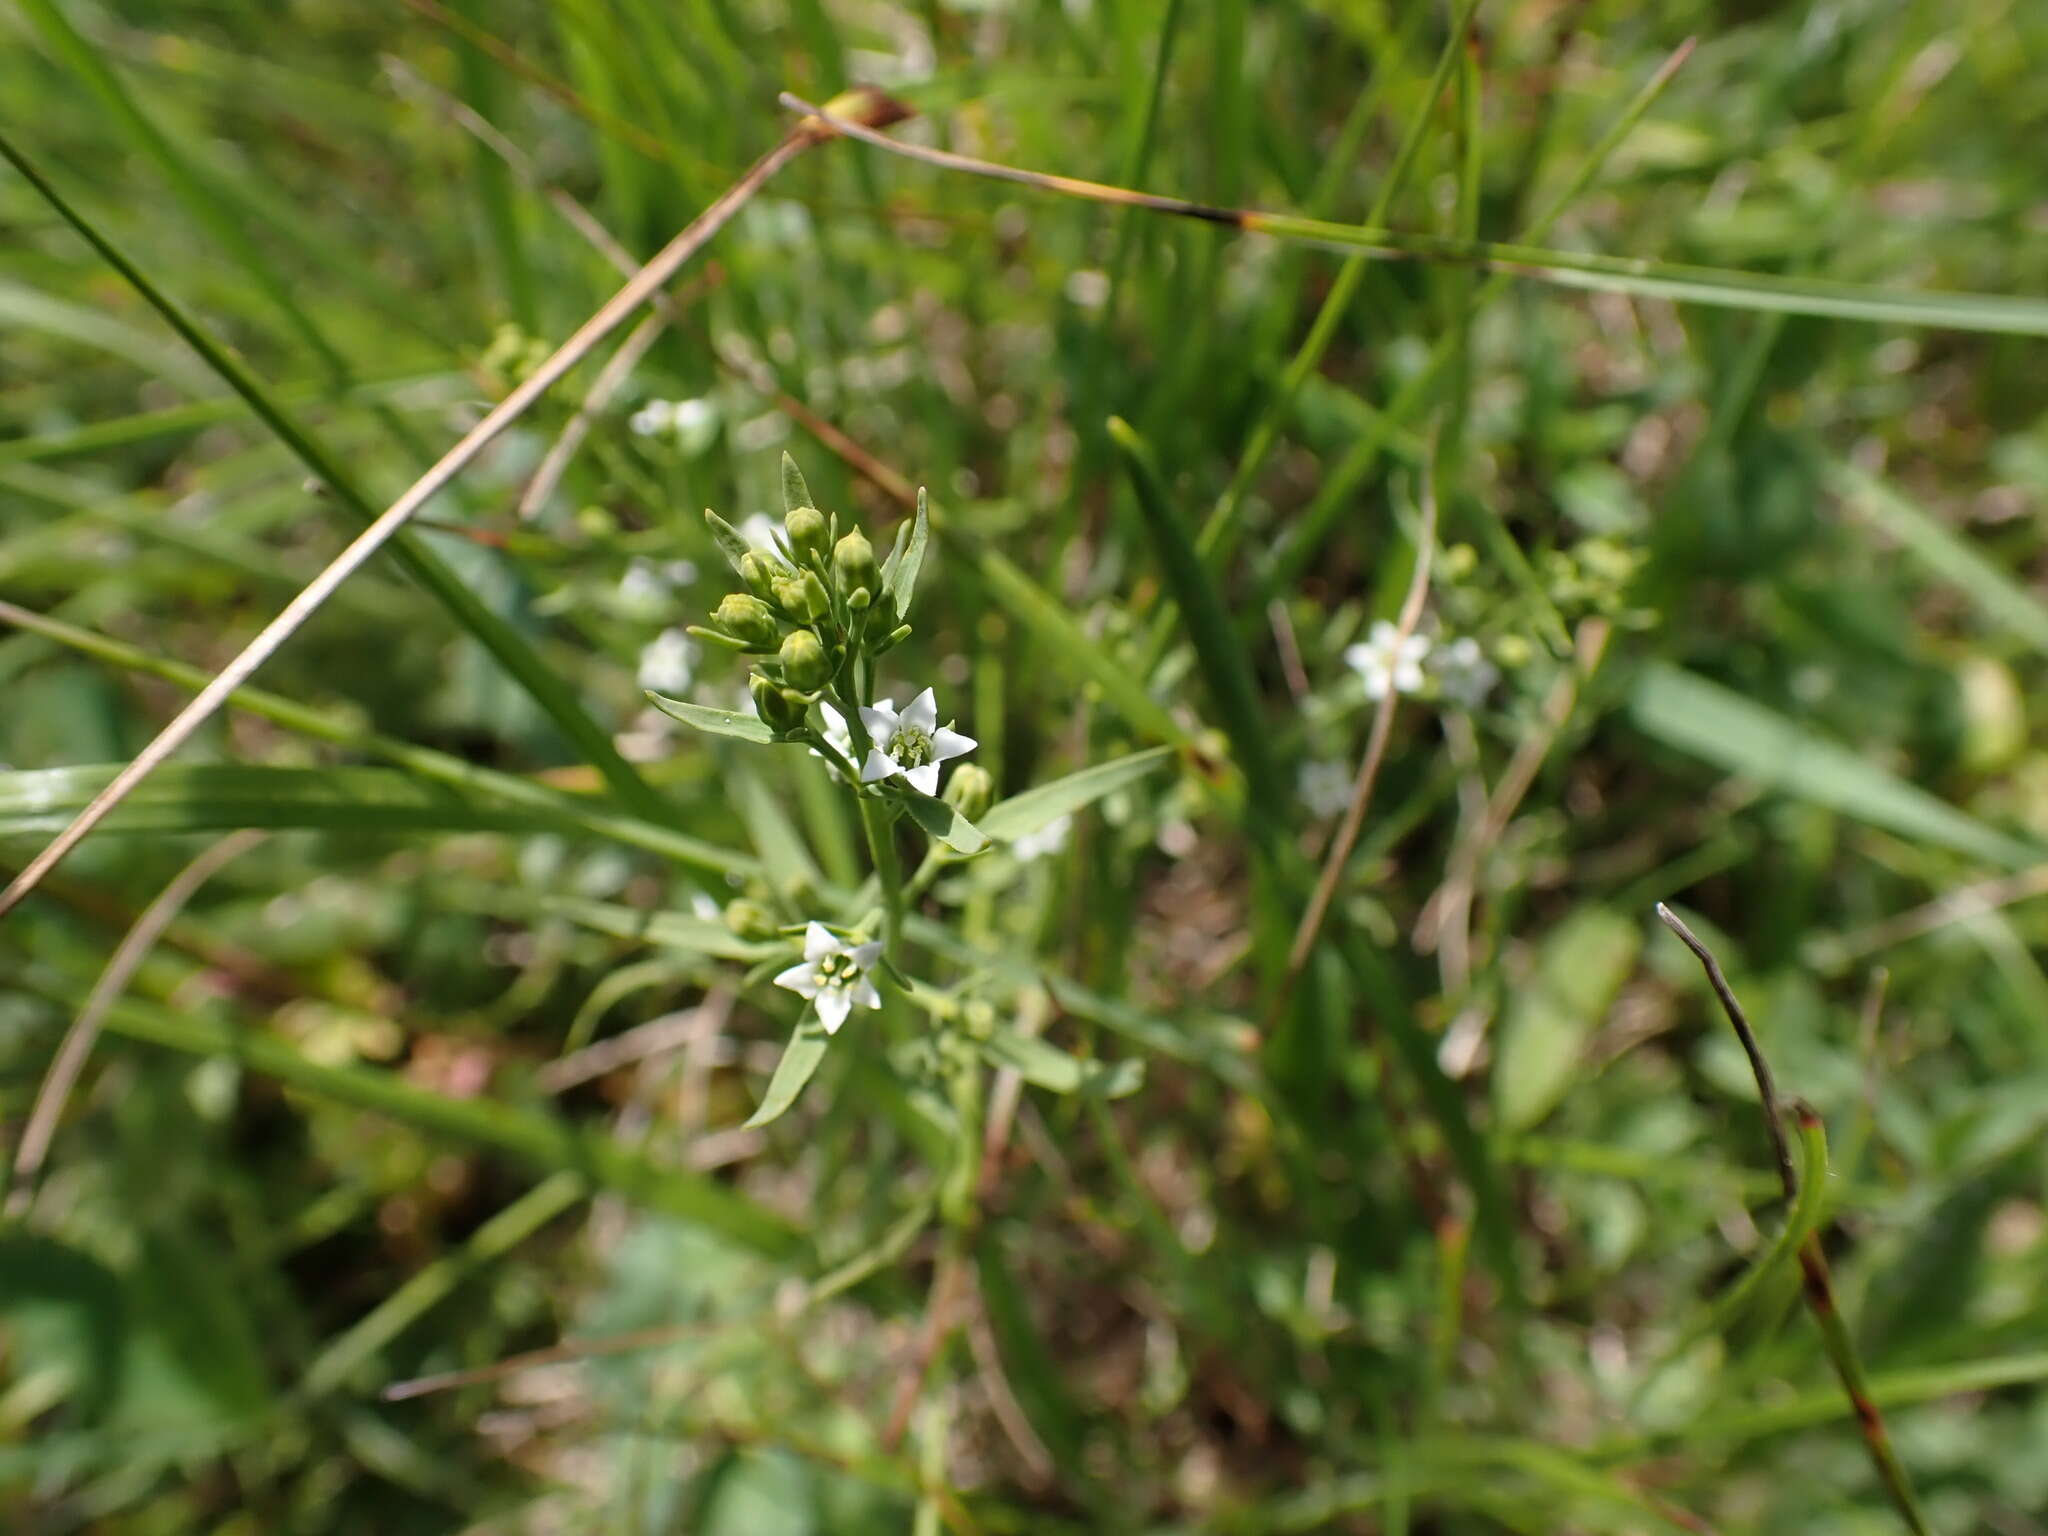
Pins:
x: 1388, y: 661
x: 1464, y: 674
x: 1325, y: 788
x: 833, y: 975
x: 910, y: 742
x: 837, y: 735
x: 668, y: 663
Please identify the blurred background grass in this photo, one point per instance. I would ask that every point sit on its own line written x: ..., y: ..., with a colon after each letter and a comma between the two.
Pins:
x: 1763, y: 592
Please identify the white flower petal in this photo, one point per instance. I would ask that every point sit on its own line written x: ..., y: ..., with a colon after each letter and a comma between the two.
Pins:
x: 866, y: 995
x: 1361, y: 657
x: 819, y: 942
x: 922, y: 712
x: 878, y: 766
x: 801, y: 978
x: 865, y: 955
x: 1376, y: 684
x: 924, y: 780
x: 835, y: 722
x: 1384, y: 635
x: 880, y: 718
x: 833, y: 1005
x: 948, y: 744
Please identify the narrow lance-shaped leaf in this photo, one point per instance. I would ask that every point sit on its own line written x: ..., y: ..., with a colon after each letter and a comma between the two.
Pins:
x: 941, y: 821
x: 794, y: 492
x: 901, y: 574
x: 719, y: 722
x: 800, y: 1060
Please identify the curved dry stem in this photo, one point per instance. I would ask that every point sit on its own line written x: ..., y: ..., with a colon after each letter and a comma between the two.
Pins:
x: 69, y: 1062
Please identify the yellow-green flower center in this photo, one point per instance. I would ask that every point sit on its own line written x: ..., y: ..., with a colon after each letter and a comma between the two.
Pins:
x: 910, y: 747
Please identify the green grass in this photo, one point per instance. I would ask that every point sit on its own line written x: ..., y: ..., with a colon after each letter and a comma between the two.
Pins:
x: 1730, y: 364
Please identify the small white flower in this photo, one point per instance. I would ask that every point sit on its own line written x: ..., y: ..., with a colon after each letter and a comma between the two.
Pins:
x: 759, y: 531
x: 837, y: 734
x: 1387, y: 661
x: 1464, y: 674
x: 654, y: 418
x: 1048, y: 839
x: 695, y: 424
x: 833, y: 975
x: 643, y: 586
x: 1325, y: 788
x: 668, y: 663
x: 911, y: 742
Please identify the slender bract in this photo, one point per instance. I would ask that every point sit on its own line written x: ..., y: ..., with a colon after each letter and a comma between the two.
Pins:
x: 1813, y: 1264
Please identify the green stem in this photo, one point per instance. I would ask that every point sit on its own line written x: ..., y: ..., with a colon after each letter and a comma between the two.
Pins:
x: 876, y: 820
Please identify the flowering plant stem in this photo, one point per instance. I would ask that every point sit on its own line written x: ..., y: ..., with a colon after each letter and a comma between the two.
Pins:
x: 875, y: 820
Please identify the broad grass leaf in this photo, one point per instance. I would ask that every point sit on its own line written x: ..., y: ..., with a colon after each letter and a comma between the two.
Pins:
x: 1550, y: 1021
x: 1034, y: 809
x: 1719, y: 726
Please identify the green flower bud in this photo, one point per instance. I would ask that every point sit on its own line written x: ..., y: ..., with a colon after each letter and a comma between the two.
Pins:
x: 750, y: 920
x: 890, y: 641
x: 803, y: 661
x: 758, y: 572
x: 807, y: 533
x: 853, y: 562
x: 802, y: 597
x: 746, y: 619
x: 970, y: 790
x: 781, y: 711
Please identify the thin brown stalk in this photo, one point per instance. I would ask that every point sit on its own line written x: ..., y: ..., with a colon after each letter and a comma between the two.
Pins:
x: 872, y: 106
x: 1445, y: 923
x: 1311, y: 925
x: 1957, y: 906
x: 69, y: 1062
x: 1813, y: 1265
x: 610, y: 379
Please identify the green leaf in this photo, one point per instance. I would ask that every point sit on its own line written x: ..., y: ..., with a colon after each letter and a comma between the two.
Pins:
x: 1544, y: 1036
x: 1946, y: 554
x: 728, y: 540
x: 1719, y: 726
x: 1070, y: 646
x: 900, y: 574
x: 1049, y: 1067
x: 800, y: 1060
x: 210, y: 797
x: 1023, y: 814
x: 1226, y: 671
x: 941, y: 821
x: 668, y: 930
x: 794, y: 492
x: 535, y: 1137
x: 719, y: 722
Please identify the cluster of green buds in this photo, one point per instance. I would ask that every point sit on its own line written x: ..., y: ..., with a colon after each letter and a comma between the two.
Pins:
x: 815, y: 603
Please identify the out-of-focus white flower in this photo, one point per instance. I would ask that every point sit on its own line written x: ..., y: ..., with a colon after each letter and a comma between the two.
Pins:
x: 1048, y: 839
x: 1325, y: 788
x: 643, y: 586
x: 837, y: 734
x: 833, y: 975
x: 653, y: 419
x: 1388, y: 661
x: 910, y: 743
x: 1087, y: 288
x: 668, y: 663
x: 695, y: 424
x: 759, y: 530
x: 1464, y: 674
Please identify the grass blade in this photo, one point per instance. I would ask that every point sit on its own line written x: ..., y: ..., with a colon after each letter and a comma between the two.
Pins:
x: 1716, y: 725
x: 1226, y: 671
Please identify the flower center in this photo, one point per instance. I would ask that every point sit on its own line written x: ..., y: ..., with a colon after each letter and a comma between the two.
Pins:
x: 837, y: 971
x: 910, y: 747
